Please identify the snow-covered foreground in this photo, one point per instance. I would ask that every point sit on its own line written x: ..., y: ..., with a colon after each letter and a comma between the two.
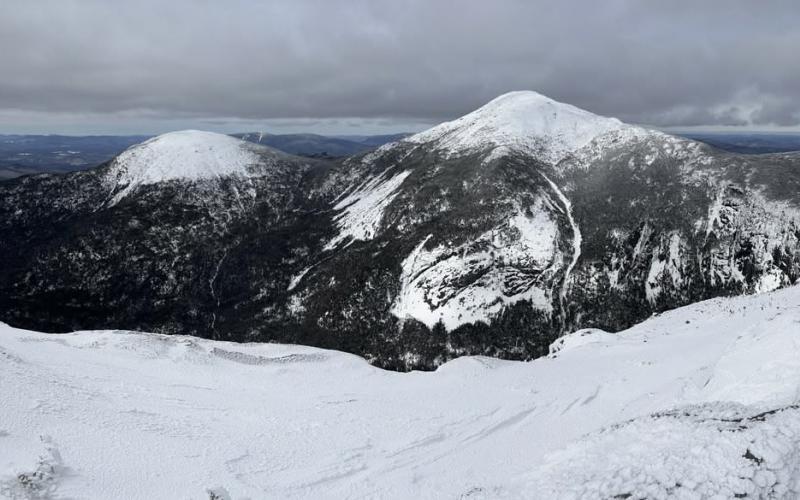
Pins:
x: 696, y: 402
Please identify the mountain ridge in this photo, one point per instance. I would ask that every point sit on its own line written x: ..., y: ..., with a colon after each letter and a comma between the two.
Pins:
x: 33, y: 154
x: 414, y: 253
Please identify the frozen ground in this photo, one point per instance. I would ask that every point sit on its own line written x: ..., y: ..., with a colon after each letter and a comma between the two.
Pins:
x: 696, y: 403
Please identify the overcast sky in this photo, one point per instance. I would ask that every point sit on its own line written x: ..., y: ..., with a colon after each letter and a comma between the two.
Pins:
x: 352, y: 67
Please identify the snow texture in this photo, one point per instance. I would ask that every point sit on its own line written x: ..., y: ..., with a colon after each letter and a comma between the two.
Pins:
x: 522, y: 121
x: 362, y: 209
x: 576, y: 236
x: 699, y: 402
x: 696, y: 452
x: 476, y: 280
x: 188, y: 155
x: 297, y: 278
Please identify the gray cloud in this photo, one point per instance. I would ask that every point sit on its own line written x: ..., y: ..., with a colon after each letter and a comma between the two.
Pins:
x: 382, y: 64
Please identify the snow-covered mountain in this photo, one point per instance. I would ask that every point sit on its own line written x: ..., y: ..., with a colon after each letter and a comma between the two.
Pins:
x: 699, y: 402
x: 187, y: 156
x: 523, y: 122
x: 492, y: 234
x: 529, y: 218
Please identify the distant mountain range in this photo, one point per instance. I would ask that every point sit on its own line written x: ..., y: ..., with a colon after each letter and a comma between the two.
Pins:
x: 492, y: 234
x: 32, y: 154
x: 314, y: 145
x: 753, y: 143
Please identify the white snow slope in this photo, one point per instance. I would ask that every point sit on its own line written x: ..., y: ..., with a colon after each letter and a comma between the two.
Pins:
x: 699, y: 402
x: 435, y: 282
x: 524, y: 121
x: 187, y: 155
x: 361, y: 211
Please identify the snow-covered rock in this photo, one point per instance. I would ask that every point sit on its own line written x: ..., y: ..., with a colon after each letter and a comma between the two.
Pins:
x: 476, y: 280
x: 361, y: 211
x: 693, y: 403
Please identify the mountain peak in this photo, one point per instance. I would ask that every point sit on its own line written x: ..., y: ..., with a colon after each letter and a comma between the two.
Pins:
x: 525, y: 121
x: 188, y: 155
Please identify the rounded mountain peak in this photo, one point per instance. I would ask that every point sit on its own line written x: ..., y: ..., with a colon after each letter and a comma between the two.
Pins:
x: 188, y: 155
x: 524, y: 121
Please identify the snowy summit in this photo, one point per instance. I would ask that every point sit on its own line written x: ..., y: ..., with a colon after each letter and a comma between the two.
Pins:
x: 524, y: 121
x: 188, y: 155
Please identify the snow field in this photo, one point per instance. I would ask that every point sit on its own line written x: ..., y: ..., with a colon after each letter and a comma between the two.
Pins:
x: 696, y: 402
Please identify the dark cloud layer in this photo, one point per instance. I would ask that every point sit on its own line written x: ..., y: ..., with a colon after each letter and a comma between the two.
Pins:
x: 676, y: 63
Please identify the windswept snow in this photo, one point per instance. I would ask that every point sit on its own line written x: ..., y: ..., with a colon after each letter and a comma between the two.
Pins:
x: 710, y: 451
x: 362, y: 209
x: 188, y: 155
x: 522, y: 121
x: 696, y: 402
x: 714, y: 210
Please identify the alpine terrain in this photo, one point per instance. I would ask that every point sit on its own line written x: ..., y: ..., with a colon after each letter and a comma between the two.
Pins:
x: 493, y: 234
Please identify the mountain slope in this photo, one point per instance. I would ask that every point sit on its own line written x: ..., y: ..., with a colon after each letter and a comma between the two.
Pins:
x: 696, y: 402
x: 492, y: 234
x: 189, y: 156
x: 510, y: 248
x: 35, y: 154
x: 153, y: 244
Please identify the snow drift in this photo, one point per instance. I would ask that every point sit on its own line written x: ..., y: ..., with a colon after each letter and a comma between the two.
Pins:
x: 697, y: 402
